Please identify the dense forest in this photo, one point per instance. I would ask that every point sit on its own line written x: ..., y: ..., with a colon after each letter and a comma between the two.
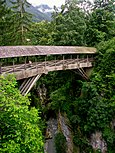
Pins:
x: 89, y: 105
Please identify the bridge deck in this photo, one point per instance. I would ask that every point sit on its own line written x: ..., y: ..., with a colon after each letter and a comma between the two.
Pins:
x: 28, y: 70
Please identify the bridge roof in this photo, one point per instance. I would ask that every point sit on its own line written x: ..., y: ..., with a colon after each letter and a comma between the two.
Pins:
x: 20, y: 51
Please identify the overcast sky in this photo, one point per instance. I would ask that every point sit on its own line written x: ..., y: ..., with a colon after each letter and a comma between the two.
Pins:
x: 51, y: 3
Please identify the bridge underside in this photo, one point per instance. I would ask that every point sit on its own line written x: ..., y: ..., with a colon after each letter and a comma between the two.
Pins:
x: 35, y: 74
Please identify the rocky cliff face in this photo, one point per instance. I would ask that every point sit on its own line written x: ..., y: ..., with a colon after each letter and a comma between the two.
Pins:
x: 63, y: 125
x: 42, y: 91
x: 98, y: 143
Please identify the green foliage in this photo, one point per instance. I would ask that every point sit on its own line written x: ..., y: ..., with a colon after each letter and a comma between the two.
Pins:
x: 21, y: 22
x: 19, y: 126
x: 59, y: 98
x: 40, y: 33
x: 60, y: 143
x: 14, y: 23
x: 107, y: 5
x: 63, y: 91
x: 100, y: 23
x: 69, y: 26
x: 89, y: 109
x: 96, y: 107
x: 5, y: 23
x: 82, y: 142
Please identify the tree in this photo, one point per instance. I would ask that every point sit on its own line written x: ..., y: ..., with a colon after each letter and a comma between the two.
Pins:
x: 100, y: 22
x: 19, y: 124
x: 69, y: 26
x: 95, y: 109
x: 60, y: 143
x: 21, y: 22
x: 5, y: 23
x: 40, y: 33
x: 105, y: 4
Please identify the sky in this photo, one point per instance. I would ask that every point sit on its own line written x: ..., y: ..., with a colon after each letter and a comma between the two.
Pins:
x: 51, y: 3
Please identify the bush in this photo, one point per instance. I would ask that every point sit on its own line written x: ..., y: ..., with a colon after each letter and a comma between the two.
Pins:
x: 19, y: 126
x: 60, y: 143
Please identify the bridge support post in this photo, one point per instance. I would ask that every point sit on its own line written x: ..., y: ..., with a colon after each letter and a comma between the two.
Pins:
x: 13, y: 65
x: 28, y: 84
x: 63, y: 60
x: 44, y: 67
x: 45, y: 62
x: 71, y: 57
x: 78, y: 61
x: 34, y: 81
x: 25, y: 63
x: 55, y: 62
x: 36, y: 63
x: 87, y: 60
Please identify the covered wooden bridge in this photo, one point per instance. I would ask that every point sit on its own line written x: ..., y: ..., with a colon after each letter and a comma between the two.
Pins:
x: 30, y: 62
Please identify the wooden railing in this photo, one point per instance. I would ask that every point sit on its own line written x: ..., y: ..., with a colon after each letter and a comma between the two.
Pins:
x: 51, y: 65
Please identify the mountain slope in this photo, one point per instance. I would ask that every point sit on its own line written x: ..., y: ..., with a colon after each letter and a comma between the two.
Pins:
x: 45, y: 9
x: 37, y: 15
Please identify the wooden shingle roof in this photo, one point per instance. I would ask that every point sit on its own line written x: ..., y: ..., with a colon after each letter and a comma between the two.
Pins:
x: 20, y: 51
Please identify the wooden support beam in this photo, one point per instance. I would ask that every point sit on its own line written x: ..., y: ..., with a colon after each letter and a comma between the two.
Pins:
x: 87, y: 60
x: 25, y: 63
x: 63, y: 60
x: 45, y: 62
x: 55, y: 62
x: 71, y: 57
x: 32, y: 84
x: 22, y: 85
x: 27, y: 85
x: 13, y: 65
x: 36, y: 62
x: 78, y: 60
